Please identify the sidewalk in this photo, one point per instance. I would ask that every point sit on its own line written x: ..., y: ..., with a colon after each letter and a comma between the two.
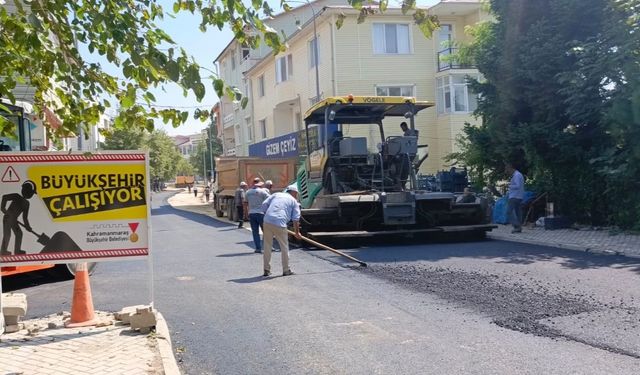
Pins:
x: 598, y: 241
x: 45, y: 347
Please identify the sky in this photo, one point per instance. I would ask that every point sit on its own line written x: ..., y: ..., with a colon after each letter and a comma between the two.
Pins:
x: 204, y: 47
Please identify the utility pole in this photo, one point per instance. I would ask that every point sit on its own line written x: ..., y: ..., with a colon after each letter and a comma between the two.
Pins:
x: 211, y: 149
x: 204, y: 159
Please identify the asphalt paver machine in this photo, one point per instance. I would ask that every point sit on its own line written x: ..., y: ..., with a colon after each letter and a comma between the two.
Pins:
x: 351, y: 187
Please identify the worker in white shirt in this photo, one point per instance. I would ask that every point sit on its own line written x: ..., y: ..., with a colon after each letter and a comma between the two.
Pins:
x: 516, y: 195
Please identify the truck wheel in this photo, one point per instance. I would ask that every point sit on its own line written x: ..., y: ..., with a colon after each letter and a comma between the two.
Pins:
x: 68, y: 271
x: 231, y: 215
x: 219, y: 212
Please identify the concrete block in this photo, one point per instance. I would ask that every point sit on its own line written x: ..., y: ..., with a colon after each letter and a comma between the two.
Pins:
x: 144, y: 320
x: 12, y: 328
x: 145, y: 309
x: 11, y: 320
x: 14, y: 304
x: 126, y: 312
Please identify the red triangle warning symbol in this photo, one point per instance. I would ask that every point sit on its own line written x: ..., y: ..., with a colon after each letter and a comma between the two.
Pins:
x: 10, y: 175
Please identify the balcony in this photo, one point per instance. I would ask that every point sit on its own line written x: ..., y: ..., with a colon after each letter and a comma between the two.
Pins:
x: 447, y: 60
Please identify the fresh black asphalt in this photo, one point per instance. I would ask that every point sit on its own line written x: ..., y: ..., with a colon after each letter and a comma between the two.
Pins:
x: 434, y: 307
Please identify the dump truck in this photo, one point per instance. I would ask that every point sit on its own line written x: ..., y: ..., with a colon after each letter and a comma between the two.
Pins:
x: 230, y: 171
x: 357, y: 182
x: 184, y: 181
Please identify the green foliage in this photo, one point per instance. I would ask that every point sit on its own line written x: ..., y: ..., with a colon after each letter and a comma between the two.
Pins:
x: 184, y: 168
x: 562, y: 100
x: 164, y: 158
x: 38, y: 44
x: 123, y: 139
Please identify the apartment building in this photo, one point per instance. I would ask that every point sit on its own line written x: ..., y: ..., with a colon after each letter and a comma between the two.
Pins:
x: 385, y: 55
x: 88, y: 140
x: 238, y: 130
x: 188, y: 144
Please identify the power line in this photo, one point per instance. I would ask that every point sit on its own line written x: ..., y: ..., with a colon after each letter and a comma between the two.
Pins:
x: 177, y: 106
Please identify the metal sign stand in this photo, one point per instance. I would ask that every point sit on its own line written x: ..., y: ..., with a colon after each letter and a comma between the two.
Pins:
x: 1, y: 314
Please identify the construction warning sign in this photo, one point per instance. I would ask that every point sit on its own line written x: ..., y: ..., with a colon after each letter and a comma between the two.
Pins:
x: 61, y: 207
x: 10, y: 175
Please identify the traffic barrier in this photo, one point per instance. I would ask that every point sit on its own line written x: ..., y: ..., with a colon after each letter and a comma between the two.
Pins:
x: 82, y: 313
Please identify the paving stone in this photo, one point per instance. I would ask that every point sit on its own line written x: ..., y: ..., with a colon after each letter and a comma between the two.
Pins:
x: 586, y: 240
x: 63, y: 351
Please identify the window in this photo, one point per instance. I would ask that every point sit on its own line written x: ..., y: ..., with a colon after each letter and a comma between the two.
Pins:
x: 314, y: 53
x: 454, y: 95
x: 249, y: 126
x: 245, y: 53
x: 261, y: 86
x: 395, y: 90
x: 263, y: 128
x: 445, y: 44
x: 233, y: 61
x: 445, y: 37
x: 284, y: 68
x: 391, y: 38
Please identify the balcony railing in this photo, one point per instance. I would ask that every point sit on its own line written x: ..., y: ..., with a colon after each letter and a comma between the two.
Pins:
x: 447, y: 60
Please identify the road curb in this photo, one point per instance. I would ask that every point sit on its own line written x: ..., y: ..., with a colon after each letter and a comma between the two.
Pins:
x: 163, y: 338
x: 586, y: 249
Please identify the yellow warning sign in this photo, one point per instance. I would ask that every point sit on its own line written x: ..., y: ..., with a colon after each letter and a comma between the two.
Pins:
x: 80, y: 192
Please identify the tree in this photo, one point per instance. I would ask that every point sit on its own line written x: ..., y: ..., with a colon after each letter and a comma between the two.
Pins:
x: 559, y: 101
x: 40, y: 39
x: 164, y: 159
x: 123, y: 139
x: 198, y: 159
x: 184, y: 168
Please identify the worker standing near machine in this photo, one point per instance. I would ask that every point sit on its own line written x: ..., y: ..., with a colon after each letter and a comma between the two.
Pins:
x: 255, y: 197
x: 279, y: 209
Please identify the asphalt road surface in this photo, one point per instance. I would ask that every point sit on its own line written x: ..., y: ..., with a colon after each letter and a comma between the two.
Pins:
x: 484, y: 307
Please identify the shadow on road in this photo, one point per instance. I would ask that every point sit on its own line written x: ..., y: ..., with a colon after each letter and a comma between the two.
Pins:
x: 231, y: 255
x: 249, y: 280
x: 408, y: 250
x: 27, y: 280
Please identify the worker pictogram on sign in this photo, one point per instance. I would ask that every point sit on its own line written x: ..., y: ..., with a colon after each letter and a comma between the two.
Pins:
x: 10, y: 175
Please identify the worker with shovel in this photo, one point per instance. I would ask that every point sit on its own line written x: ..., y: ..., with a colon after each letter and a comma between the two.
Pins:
x: 279, y: 209
x: 19, y: 205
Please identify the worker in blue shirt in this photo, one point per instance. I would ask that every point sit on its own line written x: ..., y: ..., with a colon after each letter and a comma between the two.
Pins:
x: 516, y: 195
x: 279, y: 209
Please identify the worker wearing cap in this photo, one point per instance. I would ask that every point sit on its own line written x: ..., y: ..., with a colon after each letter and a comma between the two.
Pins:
x: 240, y: 201
x: 268, y: 185
x: 279, y: 209
x: 254, y: 198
